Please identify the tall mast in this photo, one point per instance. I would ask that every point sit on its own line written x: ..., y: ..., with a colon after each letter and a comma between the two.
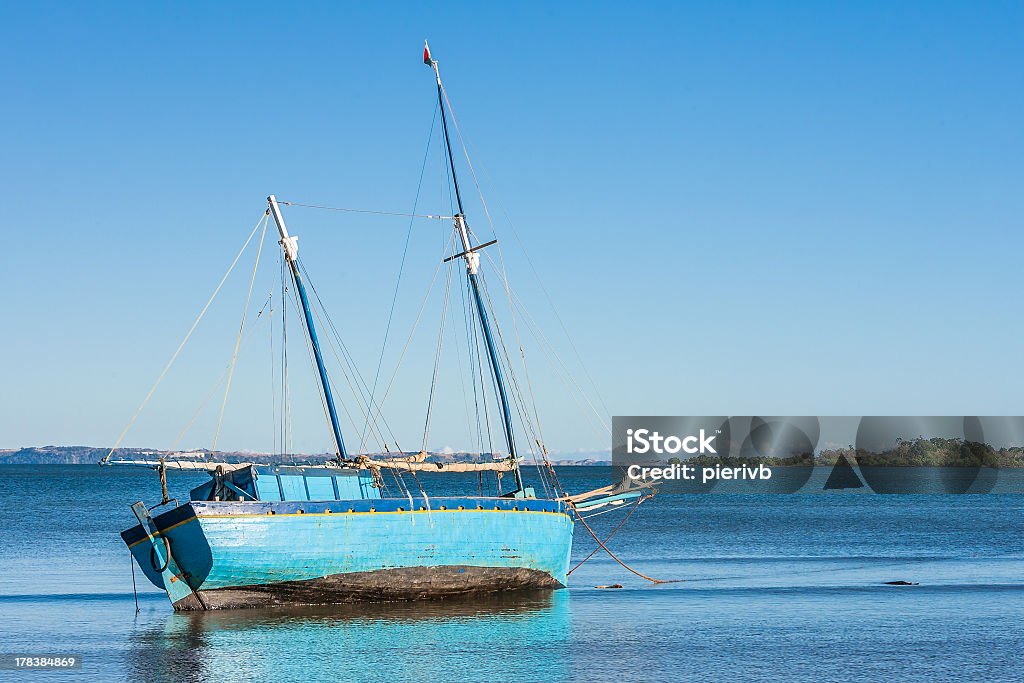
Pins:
x: 290, y: 245
x: 472, y: 260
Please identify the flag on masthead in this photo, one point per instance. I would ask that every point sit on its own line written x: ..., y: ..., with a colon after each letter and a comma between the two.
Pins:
x: 426, y: 54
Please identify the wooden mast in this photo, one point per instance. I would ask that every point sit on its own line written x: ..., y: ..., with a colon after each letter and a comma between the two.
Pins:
x: 290, y: 245
x: 472, y: 260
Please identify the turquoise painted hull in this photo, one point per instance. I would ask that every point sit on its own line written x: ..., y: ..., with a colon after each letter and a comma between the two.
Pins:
x: 243, y: 554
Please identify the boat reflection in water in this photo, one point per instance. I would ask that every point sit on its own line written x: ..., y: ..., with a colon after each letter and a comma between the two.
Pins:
x: 432, y: 640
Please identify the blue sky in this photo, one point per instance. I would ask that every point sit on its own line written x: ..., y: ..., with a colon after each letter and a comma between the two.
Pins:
x: 748, y: 208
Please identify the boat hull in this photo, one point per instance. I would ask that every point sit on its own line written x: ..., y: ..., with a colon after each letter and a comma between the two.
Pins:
x: 257, y: 554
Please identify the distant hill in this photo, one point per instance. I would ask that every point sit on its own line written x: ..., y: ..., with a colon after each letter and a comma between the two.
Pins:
x: 90, y: 455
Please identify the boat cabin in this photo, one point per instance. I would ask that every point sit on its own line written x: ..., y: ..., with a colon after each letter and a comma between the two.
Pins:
x: 287, y: 483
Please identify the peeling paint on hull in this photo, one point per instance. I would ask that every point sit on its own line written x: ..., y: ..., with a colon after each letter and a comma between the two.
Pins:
x: 386, y: 585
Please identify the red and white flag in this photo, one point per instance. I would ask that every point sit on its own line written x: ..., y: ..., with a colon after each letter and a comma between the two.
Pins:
x: 426, y: 54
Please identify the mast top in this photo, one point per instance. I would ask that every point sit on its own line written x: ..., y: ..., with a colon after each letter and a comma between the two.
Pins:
x: 290, y: 243
x: 472, y: 259
x: 431, y: 62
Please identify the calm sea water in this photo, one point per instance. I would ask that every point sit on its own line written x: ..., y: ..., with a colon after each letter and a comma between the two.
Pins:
x: 777, y: 587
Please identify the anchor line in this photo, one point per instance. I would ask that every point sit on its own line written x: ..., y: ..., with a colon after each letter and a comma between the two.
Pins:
x: 613, y: 532
x: 135, y: 590
x: 614, y: 557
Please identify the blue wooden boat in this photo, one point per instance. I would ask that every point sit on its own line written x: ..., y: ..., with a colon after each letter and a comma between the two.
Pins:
x: 286, y: 535
x: 263, y: 535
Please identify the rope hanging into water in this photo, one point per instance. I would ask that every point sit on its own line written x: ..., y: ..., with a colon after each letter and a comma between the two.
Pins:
x: 371, y: 211
x: 135, y: 590
x: 612, y: 534
x: 614, y: 557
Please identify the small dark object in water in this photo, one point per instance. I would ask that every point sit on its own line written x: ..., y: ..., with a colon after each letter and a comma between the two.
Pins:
x: 614, y: 585
x: 901, y: 583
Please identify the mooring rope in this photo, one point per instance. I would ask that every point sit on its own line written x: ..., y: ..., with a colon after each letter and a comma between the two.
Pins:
x: 614, y: 531
x: 135, y: 590
x: 614, y: 557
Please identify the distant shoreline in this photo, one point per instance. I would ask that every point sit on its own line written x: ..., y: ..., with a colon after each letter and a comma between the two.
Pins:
x: 920, y: 452
x: 91, y: 455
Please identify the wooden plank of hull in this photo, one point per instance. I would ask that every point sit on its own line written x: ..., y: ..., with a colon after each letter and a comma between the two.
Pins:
x: 404, y: 584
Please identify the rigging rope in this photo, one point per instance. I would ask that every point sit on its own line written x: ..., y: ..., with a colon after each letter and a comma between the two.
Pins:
x: 213, y: 388
x: 461, y: 360
x: 401, y: 268
x: 357, y: 390
x: 273, y: 371
x: 524, y: 411
x: 320, y: 311
x: 469, y: 163
x: 361, y: 390
x: 535, y: 328
x: 437, y: 355
x: 539, y: 279
x: 286, y: 405
x: 477, y: 356
x: 526, y: 369
x: 312, y: 365
x: 379, y: 213
x: 184, y: 341
x: 517, y: 394
x: 241, y: 329
x: 412, y: 331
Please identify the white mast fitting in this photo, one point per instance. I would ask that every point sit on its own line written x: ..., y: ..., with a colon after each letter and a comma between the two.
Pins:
x: 289, y: 243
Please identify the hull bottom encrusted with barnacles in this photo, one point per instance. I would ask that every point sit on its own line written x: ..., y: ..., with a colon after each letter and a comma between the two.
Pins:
x: 385, y: 585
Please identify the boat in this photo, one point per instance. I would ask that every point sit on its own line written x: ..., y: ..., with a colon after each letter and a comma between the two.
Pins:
x: 270, y: 534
